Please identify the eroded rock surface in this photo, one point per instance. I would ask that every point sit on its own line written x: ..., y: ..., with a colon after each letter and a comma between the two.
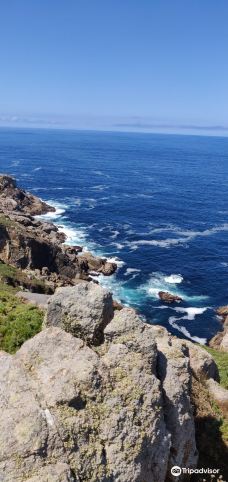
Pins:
x: 220, y: 340
x: 13, y: 198
x: 75, y: 409
x: 33, y: 244
x: 83, y: 310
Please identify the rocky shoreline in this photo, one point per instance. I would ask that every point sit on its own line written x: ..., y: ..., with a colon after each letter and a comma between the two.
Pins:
x: 97, y: 395
x: 38, y: 247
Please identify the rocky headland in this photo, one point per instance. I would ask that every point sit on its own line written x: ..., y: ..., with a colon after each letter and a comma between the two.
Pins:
x: 97, y: 395
x: 38, y: 247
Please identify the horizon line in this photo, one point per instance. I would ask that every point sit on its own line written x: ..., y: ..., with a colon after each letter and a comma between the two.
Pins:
x: 113, y: 131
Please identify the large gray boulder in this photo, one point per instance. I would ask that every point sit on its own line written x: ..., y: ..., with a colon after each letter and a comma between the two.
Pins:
x: 69, y: 413
x: 82, y: 310
x: 108, y: 401
x: 174, y: 371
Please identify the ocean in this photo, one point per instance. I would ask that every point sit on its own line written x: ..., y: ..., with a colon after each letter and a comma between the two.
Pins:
x: 155, y: 204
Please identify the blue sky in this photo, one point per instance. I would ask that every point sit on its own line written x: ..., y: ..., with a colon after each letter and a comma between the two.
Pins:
x: 150, y: 65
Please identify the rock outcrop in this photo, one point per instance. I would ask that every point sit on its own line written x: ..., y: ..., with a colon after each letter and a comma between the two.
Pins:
x: 83, y: 310
x: 99, y: 265
x: 98, y: 395
x: 30, y: 244
x: 168, y: 297
x: 220, y: 340
x: 13, y: 198
x: 81, y: 406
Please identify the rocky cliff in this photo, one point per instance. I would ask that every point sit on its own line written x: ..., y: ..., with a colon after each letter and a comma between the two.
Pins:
x: 98, y: 396
x: 220, y: 341
x: 30, y: 244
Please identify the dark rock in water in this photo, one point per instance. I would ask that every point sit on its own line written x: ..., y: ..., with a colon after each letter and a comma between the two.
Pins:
x: 168, y: 297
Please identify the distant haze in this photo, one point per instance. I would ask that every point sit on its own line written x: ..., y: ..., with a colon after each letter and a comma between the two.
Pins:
x: 130, y: 66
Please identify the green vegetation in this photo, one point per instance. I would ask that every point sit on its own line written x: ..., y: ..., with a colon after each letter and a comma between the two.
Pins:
x: 15, y: 277
x: 4, y: 221
x: 211, y: 420
x: 221, y: 360
x: 18, y: 321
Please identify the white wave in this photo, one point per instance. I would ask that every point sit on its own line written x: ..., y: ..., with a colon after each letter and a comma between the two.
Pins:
x: 52, y: 216
x: 99, y: 187
x: 37, y: 169
x: 58, y: 212
x: 15, y: 163
x: 36, y: 189
x: 158, y: 282
x: 77, y: 201
x: 163, y: 307
x: 115, y: 234
x: 100, y: 173
x: 142, y: 195
x: 127, y: 296
x: 73, y: 235
x: 185, y: 237
x: 172, y: 321
x: 119, y: 246
x: 162, y: 243
x: 174, y: 279
x: 91, y: 203
x: 192, y: 312
x: 117, y: 261
x: 131, y: 270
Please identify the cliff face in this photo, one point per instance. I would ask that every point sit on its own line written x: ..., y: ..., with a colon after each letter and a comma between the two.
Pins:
x: 30, y: 244
x: 98, y: 396
x: 220, y: 341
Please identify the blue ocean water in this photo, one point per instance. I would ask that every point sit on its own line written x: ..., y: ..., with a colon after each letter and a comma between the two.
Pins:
x: 157, y: 204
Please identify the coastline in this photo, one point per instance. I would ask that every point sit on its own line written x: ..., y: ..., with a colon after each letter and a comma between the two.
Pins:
x: 100, y: 358
x: 78, y: 251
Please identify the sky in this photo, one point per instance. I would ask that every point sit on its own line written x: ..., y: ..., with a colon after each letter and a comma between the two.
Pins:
x: 144, y: 65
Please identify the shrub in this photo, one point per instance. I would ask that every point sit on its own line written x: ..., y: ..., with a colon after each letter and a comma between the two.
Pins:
x: 18, y: 321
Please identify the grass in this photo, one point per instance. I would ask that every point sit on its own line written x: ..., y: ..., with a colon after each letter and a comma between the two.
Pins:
x: 15, y: 277
x: 211, y: 422
x: 5, y: 221
x: 221, y: 360
x: 18, y: 321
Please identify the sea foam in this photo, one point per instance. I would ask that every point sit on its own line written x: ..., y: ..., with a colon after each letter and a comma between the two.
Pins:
x: 172, y: 321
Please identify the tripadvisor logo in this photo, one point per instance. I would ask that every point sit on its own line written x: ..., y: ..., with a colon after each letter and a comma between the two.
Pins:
x: 176, y: 471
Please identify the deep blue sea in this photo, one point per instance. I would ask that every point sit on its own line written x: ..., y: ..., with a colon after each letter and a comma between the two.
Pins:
x: 158, y: 204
